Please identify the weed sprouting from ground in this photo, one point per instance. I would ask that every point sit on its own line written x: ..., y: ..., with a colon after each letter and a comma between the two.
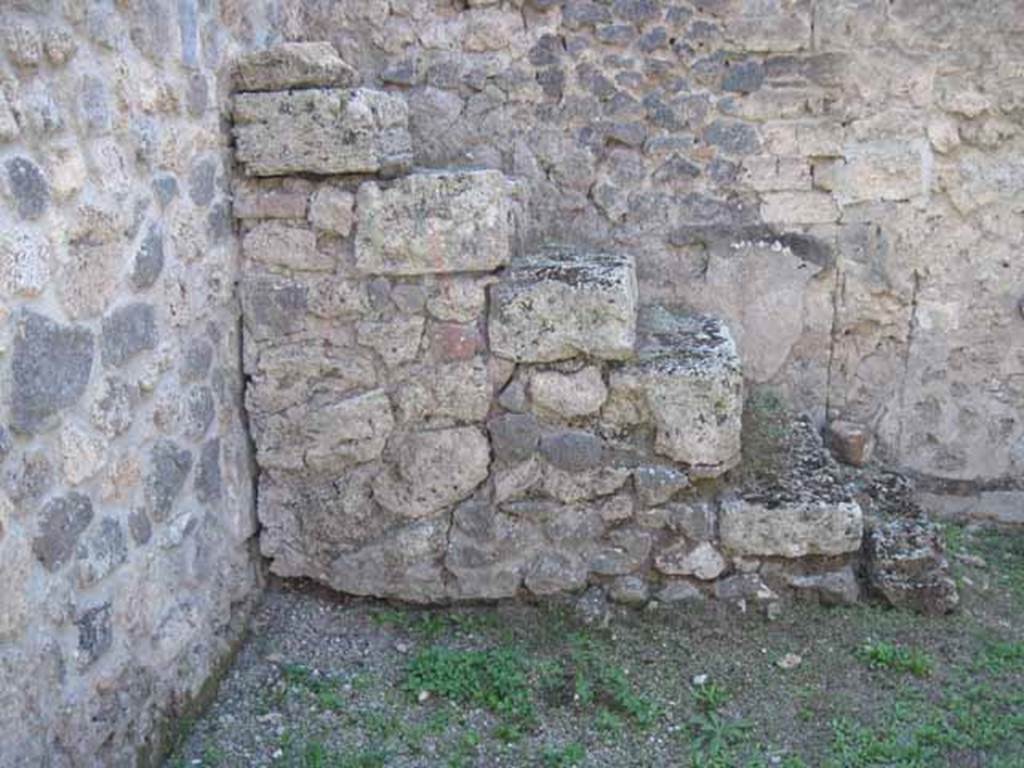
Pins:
x: 883, y: 655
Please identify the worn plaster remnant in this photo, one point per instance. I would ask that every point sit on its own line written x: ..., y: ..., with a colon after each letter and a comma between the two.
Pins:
x: 561, y: 302
x: 452, y: 221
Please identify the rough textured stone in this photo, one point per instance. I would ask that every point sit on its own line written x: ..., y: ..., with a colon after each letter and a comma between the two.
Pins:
x: 555, y: 572
x: 686, y: 380
x: 907, y: 567
x: 95, y: 634
x: 50, y: 369
x: 568, y: 395
x: 101, y: 552
x: 82, y: 454
x: 111, y: 411
x: 285, y: 245
x: 514, y: 437
x: 572, y: 450
x: 831, y: 588
x: 332, y: 209
x: 794, y: 529
x: 24, y: 264
x: 629, y: 590
x: 658, y: 484
x: 702, y: 561
x: 127, y: 332
x: 292, y: 65
x: 560, y: 303
x: 325, y: 131
x: 680, y: 592
x: 433, y: 470
x: 169, y: 465
x: 149, y: 259
x: 454, y: 221
x: 850, y: 443
x: 62, y: 521
x: 28, y: 187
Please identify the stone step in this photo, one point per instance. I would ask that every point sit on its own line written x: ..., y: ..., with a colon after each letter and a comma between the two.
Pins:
x: 563, y: 302
x: 685, y: 379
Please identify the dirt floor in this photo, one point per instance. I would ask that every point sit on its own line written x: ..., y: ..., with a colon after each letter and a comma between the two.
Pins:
x: 331, y: 682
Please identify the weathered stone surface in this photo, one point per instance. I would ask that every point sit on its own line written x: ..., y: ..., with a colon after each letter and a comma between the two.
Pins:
x: 62, y: 521
x: 680, y: 592
x: 283, y: 244
x: 24, y: 264
x: 50, y: 369
x: 28, y: 187
x: 346, y: 431
x: 514, y: 437
x: 573, y: 487
x: 682, y: 559
x: 790, y: 529
x: 627, y: 550
x: 832, y: 588
x: 127, y: 332
x: 686, y: 380
x: 82, y: 454
x: 568, y: 395
x: 95, y: 634
x: 169, y: 465
x: 743, y: 587
x: 111, y: 411
x: 445, y: 393
x: 572, y: 450
x: 850, y: 442
x: 629, y: 590
x: 555, y: 572
x: 323, y: 131
x: 658, y: 484
x: 453, y: 221
x: 396, y: 340
x: 433, y: 470
x: 406, y: 565
x: 149, y: 259
x: 292, y: 65
x: 101, y: 552
x: 907, y: 567
x: 560, y: 303
x: 333, y: 210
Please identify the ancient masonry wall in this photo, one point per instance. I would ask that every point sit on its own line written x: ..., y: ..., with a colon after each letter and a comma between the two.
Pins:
x: 443, y: 412
x: 127, y: 556
x: 839, y: 180
x: 838, y: 183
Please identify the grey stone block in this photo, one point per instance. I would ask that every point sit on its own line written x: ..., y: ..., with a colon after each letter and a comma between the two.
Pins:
x: 169, y: 465
x: 560, y: 303
x: 62, y: 521
x: 455, y: 221
x: 50, y: 369
x: 128, y: 331
x: 293, y: 65
x: 323, y: 131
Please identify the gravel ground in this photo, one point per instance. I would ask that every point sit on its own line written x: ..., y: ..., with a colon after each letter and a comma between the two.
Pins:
x: 327, y: 681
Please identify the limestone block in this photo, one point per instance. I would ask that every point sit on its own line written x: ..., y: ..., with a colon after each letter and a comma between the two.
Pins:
x: 790, y: 529
x: 322, y: 131
x: 349, y: 431
x: 560, y: 303
x: 433, y: 470
x: 293, y: 65
x: 405, y: 564
x: 568, y: 395
x: 283, y: 245
x: 906, y: 566
x: 702, y: 561
x: 452, y: 392
x: 454, y: 221
x: 686, y: 379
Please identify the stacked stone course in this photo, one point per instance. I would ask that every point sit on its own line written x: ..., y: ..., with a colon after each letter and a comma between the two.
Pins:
x: 441, y: 413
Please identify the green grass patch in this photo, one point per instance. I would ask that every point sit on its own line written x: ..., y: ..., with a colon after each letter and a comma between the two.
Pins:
x: 883, y: 655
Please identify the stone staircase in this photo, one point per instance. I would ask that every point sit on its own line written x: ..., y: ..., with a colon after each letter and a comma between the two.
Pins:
x: 436, y: 417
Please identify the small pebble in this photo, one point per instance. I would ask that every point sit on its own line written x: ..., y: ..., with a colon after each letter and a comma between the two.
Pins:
x: 700, y: 679
x: 423, y: 696
x: 789, y: 661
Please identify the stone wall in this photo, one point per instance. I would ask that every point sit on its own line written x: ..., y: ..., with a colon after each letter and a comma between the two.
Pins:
x: 840, y: 180
x: 444, y: 411
x: 126, y: 501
